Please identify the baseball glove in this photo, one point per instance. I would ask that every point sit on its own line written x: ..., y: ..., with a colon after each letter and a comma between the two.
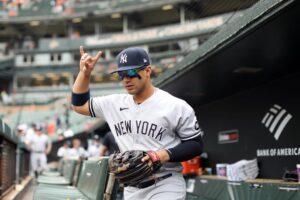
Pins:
x: 129, y: 168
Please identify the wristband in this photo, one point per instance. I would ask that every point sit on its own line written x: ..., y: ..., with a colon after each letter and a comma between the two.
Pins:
x: 81, y: 98
x: 169, y: 153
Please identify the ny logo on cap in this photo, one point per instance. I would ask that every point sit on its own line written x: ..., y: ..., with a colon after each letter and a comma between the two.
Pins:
x: 123, y: 58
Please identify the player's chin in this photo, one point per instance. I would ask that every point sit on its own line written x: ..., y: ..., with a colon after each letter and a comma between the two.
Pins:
x: 131, y: 90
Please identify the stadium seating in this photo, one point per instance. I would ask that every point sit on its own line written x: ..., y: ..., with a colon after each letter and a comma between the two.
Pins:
x: 91, y: 184
x: 58, y: 172
x: 67, y: 178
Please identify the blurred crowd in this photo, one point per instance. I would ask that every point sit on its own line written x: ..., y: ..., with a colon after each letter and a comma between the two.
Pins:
x: 71, y: 147
x: 11, y: 8
x: 96, y: 147
x: 40, y: 145
x: 52, y: 126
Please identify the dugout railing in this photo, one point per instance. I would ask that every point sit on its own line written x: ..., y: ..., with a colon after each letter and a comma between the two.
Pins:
x: 23, y: 164
x: 219, y: 188
x: 8, y: 147
x: 14, y: 160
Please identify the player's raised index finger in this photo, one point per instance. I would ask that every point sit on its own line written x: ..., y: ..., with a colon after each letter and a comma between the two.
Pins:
x: 81, y: 50
x: 99, y: 54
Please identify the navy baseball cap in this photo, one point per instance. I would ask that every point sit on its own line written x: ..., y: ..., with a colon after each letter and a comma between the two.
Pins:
x: 132, y: 58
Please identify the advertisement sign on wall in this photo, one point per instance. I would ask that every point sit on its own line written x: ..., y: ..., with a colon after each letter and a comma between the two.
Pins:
x: 260, y: 123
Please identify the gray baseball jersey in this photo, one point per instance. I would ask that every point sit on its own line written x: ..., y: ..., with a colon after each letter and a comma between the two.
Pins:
x: 38, y: 158
x: 159, y: 122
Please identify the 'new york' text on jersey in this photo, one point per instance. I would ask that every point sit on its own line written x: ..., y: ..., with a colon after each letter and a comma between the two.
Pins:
x: 161, y: 121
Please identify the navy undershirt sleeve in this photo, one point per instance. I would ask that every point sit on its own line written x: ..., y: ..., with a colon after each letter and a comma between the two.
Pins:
x: 186, y: 150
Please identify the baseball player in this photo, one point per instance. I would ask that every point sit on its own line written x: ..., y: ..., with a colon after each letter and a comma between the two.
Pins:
x: 147, y: 118
x: 109, y: 145
x: 40, y: 146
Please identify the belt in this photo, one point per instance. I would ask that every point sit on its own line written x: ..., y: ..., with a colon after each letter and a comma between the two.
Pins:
x: 37, y: 151
x: 151, y: 181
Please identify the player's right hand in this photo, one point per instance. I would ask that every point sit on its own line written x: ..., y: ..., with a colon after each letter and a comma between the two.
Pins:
x: 87, y: 62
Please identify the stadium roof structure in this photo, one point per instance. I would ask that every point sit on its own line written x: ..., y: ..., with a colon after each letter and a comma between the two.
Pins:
x: 200, y: 27
x: 43, y: 10
x: 96, y: 17
x: 251, y: 50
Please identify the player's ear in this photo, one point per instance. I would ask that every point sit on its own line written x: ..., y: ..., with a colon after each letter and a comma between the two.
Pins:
x: 148, y: 71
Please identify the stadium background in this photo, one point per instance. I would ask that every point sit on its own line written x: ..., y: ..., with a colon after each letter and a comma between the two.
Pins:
x: 231, y: 60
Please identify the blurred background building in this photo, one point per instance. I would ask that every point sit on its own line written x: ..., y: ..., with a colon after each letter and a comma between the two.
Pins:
x: 39, y: 49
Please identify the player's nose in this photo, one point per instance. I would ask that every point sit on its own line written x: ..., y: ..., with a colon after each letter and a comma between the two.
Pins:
x: 126, y: 79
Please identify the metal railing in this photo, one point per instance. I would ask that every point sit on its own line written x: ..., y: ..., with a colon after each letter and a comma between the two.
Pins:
x: 7, y: 166
x: 23, y: 163
x: 14, y: 160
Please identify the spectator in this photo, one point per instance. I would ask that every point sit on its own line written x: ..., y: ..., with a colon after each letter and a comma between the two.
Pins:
x: 22, y: 131
x: 60, y: 135
x: 30, y: 133
x: 77, y: 150
x: 57, y: 120
x: 75, y: 35
x: 109, y: 145
x: 93, y: 150
x: 63, y: 151
x: 28, y: 43
x: 6, y: 98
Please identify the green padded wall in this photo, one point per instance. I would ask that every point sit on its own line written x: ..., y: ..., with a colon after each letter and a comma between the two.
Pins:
x: 92, y: 181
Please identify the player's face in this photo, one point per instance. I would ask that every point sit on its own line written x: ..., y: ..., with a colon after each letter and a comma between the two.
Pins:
x: 137, y: 84
x: 76, y: 143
